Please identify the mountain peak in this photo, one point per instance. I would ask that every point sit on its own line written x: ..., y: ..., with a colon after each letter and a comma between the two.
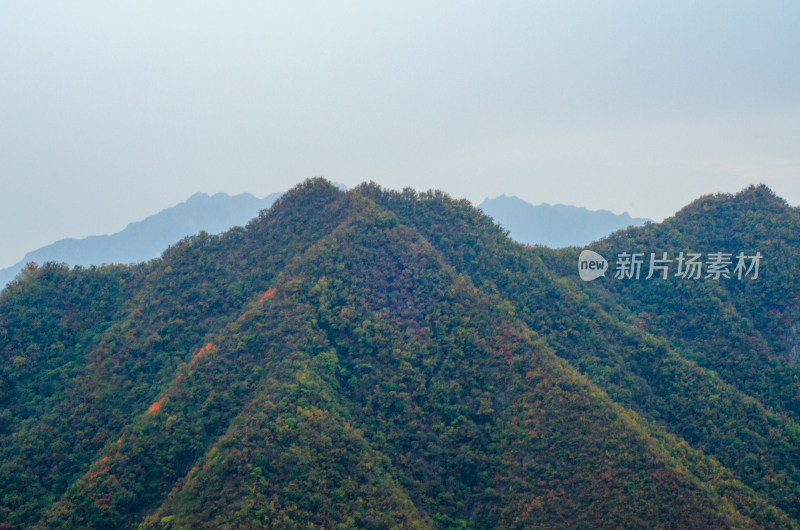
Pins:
x: 752, y: 200
x: 197, y: 196
x: 759, y: 194
x: 312, y: 186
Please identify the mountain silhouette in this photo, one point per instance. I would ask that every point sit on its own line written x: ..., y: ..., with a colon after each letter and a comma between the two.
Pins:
x: 555, y: 225
x: 147, y: 239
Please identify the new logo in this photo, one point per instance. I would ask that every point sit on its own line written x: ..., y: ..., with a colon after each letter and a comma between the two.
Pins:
x: 591, y: 265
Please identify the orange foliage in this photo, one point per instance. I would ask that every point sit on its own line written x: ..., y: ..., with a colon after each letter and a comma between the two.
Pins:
x: 202, y: 351
x: 268, y: 294
x: 155, y: 407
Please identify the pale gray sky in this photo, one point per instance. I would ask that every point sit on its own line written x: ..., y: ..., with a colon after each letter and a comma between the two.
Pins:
x: 112, y: 111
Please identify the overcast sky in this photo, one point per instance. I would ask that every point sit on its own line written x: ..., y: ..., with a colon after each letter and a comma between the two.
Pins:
x: 112, y: 111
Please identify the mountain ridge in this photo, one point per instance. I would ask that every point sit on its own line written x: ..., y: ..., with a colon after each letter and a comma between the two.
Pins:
x: 556, y: 225
x: 145, y: 239
x: 392, y: 347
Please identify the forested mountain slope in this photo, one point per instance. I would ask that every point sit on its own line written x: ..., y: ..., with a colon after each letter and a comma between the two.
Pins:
x: 380, y: 359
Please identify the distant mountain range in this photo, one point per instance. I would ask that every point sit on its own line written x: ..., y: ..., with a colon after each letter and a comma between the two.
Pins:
x: 554, y: 225
x: 147, y: 239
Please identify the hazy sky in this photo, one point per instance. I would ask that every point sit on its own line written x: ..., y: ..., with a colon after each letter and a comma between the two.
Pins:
x: 112, y: 111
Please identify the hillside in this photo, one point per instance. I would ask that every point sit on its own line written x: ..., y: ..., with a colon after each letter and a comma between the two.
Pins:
x: 379, y: 359
x: 554, y: 225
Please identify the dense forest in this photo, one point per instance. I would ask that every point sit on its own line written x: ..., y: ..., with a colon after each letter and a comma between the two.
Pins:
x: 380, y: 359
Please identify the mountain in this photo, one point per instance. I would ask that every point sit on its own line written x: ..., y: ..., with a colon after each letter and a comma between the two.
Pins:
x: 373, y: 358
x: 147, y: 239
x: 555, y: 225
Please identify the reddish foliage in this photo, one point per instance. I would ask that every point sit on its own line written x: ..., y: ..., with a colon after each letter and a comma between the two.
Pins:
x: 269, y: 293
x: 155, y: 407
x: 202, y: 351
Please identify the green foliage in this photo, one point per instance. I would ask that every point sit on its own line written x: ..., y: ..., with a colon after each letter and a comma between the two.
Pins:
x: 377, y: 359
